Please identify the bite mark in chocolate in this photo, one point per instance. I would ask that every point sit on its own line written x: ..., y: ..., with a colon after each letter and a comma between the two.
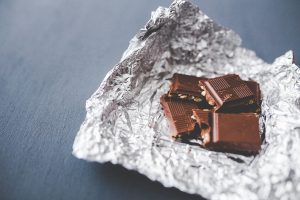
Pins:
x: 179, y: 116
x: 204, y: 120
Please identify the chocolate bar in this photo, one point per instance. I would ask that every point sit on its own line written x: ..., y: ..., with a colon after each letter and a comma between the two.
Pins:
x: 222, y: 112
x: 230, y: 132
x: 186, y: 87
x: 179, y: 116
x: 228, y: 93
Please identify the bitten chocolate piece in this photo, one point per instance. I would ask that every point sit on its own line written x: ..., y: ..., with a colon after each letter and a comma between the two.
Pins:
x: 228, y: 93
x: 179, y: 115
x: 186, y: 87
x: 230, y: 132
x: 204, y: 120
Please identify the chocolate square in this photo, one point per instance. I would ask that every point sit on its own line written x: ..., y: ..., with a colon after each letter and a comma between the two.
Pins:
x: 186, y: 87
x: 230, y: 132
x: 179, y: 115
x: 228, y: 93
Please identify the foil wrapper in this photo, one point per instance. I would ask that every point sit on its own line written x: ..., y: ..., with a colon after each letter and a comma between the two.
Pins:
x: 125, y: 124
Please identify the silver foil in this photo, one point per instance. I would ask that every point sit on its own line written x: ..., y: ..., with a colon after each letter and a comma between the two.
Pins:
x: 125, y: 124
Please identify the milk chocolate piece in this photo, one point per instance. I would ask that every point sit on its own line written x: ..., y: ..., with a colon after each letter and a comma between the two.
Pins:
x: 204, y: 120
x: 236, y: 132
x: 179, y: 115
x: 186, y: 87
x: 229, y: 132
x: 228, y: 93
x: 230, y: 124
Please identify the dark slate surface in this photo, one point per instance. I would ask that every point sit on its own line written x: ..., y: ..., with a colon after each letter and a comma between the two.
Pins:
x: 53, y: 56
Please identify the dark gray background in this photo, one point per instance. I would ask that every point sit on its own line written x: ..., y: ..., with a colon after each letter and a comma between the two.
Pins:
x: 53, y: 56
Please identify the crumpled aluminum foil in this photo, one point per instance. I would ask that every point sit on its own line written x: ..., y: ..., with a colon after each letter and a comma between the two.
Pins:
x: 125, y: 124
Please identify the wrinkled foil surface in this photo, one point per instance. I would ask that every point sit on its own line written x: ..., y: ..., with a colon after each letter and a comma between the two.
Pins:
x: 125, y: 124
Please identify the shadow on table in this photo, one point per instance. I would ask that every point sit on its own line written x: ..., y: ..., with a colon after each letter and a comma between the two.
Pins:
x: 132, y: 185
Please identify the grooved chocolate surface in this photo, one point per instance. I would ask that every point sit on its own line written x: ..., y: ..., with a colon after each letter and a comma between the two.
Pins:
x: 179, y: 115
x: 227, y: 92
x: 242, y: 91
x: 202, y: 116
